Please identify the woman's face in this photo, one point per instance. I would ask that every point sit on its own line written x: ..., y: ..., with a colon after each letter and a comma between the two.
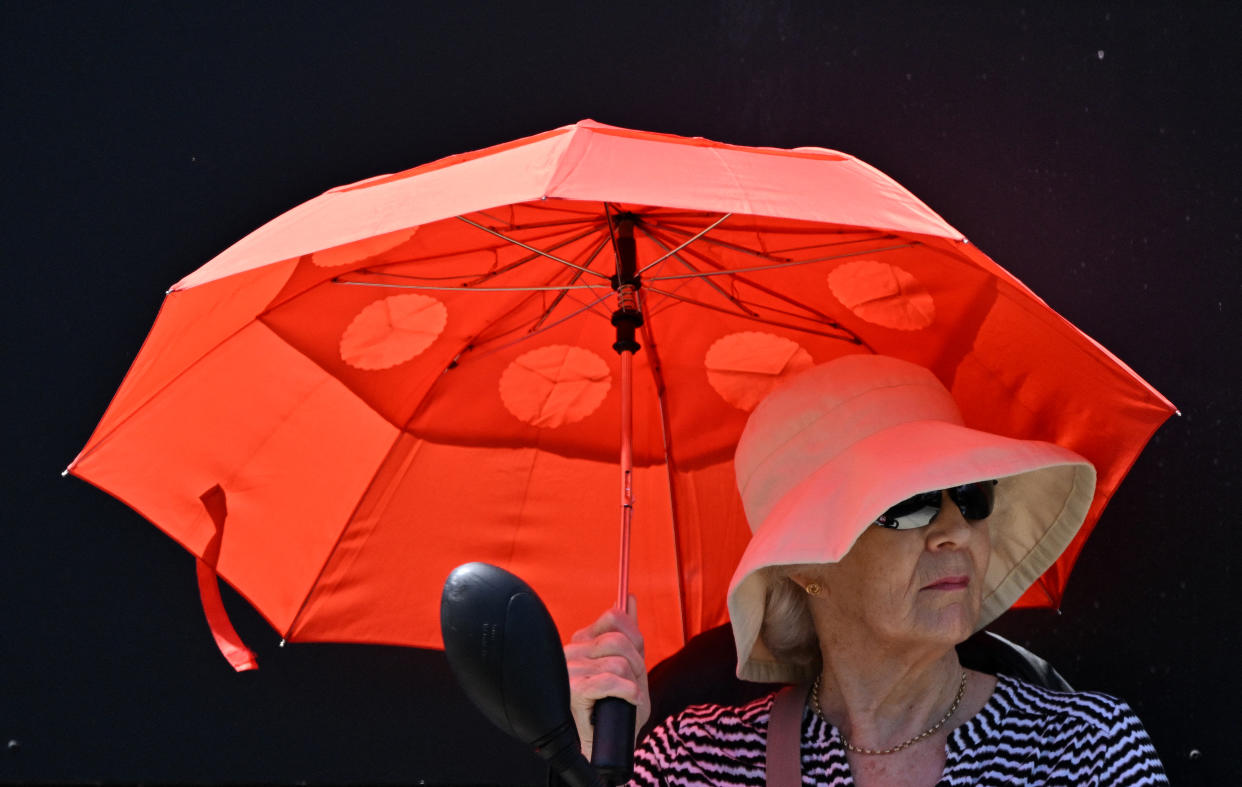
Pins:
x: 924, y: 584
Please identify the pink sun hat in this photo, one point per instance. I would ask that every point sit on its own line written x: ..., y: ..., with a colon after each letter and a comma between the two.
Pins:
x: 831, y: 449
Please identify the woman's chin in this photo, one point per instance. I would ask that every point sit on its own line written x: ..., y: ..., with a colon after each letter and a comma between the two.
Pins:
x: 949, y: 624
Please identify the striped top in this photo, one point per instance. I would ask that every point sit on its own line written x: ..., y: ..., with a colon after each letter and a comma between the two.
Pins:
x: 1024, y: 735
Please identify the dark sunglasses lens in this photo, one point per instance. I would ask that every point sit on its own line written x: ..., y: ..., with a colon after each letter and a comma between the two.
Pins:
x: 974, y: 500
x: 912, y: 504
x: 912, y: 512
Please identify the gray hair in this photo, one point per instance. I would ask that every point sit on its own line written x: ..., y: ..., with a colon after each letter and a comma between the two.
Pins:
x: 788, y: 631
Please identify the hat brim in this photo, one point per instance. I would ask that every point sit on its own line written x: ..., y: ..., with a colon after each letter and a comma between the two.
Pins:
x: 1042, y: 499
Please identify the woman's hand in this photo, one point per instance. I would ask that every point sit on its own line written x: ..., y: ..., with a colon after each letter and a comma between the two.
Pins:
x: 605, y: 659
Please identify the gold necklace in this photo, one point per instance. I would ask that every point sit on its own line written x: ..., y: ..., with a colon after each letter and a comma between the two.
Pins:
x: 961, y: 692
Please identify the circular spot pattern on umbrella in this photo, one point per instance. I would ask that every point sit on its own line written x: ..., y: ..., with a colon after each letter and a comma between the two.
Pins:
x: 743, y: 367
x: 554, y: 385
x: 883, y: 294
x: 392, y: 330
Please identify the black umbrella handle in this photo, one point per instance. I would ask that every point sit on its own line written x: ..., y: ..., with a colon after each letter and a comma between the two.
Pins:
x: 613, y: 751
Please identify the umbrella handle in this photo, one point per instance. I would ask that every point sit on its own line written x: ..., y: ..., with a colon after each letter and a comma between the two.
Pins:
x: 612, y: 753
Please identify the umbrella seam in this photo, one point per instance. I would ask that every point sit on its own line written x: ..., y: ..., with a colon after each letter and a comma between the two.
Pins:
x: 104, y: 438
x: 1059, y: 326
x: 521, y: 515
x: 744, y: 198
x: 345, y: 526
x: 242, y: 465
x: 890, y: 182
x: 569, y: 160
x: 1103, y: 496
x: 670, y: 470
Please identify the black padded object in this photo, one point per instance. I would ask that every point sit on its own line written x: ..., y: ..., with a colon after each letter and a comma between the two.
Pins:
x: 505, y: 651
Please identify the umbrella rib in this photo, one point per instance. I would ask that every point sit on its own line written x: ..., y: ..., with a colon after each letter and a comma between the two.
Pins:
x: 815, y: 314
x: 670, y: 465
x: 524, y: 260
x: 476, y: 277
x: 534, y: 333
x: 849, y: 337
x: 386, y: 498
x: 612, y: 233
x: 676, y: 229
x: 538, y: 225
x: 540, y: 252
x: 467, y: 288
x: 565, y: 291
x: 105, y: 437
x: 548, y: 205
x: 755, y: 224
x: 775, y: 266
x: 732, y: 299
x: 673, y: 253
x: 562, y: 290
x: 471, y: 278
x: 535, y: 330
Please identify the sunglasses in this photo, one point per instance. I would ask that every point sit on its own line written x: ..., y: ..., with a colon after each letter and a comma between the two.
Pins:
x: 974, y: 500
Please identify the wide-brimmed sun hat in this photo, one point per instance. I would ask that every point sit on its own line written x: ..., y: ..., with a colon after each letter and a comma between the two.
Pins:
x: 831, y: 449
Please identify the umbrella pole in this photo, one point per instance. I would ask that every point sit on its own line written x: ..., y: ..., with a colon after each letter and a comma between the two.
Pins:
x: 627, y: 476
x: 614, y: 718
x: 626, y: 319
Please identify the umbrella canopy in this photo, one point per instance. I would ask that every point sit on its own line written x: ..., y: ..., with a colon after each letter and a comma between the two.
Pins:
x: 416, y: 371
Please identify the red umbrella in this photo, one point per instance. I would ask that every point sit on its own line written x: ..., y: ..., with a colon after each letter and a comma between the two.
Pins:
x: 417, y: 370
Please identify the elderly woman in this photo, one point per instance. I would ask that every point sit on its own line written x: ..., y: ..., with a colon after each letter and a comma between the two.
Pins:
x: 885, y: 533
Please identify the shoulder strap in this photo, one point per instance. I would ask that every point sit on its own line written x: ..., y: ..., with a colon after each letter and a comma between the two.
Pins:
x: 784, y: 753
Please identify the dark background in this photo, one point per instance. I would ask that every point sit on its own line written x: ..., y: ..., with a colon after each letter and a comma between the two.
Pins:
x: 1091, y: 149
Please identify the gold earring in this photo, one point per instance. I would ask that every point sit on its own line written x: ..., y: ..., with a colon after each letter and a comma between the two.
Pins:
x: 813, y: 589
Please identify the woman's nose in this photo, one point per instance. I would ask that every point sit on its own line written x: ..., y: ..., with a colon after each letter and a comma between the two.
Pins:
x: 949, y: 530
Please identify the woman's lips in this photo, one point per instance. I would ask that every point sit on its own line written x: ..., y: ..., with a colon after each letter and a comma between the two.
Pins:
x: 949, y: 583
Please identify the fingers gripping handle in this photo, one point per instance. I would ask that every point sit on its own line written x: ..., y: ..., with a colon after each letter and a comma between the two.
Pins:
x: 613, y: 751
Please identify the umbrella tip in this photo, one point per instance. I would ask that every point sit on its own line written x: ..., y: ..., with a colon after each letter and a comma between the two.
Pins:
x: 64, y: 472
x: 282, y: 642
x: 1178, y: 413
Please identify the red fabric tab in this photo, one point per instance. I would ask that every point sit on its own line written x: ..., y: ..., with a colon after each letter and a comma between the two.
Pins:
x: 226, y: 637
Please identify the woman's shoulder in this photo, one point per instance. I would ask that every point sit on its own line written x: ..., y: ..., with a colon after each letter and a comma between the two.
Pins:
x: 707, y: 744
x: 1073, y: 737
x: 1019, y: 699
x: 711, y: 718
x: 705, y: 725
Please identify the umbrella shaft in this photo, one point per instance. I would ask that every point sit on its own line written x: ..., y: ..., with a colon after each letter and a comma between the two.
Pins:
x: 627, y: 476
x: 627, y: 318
